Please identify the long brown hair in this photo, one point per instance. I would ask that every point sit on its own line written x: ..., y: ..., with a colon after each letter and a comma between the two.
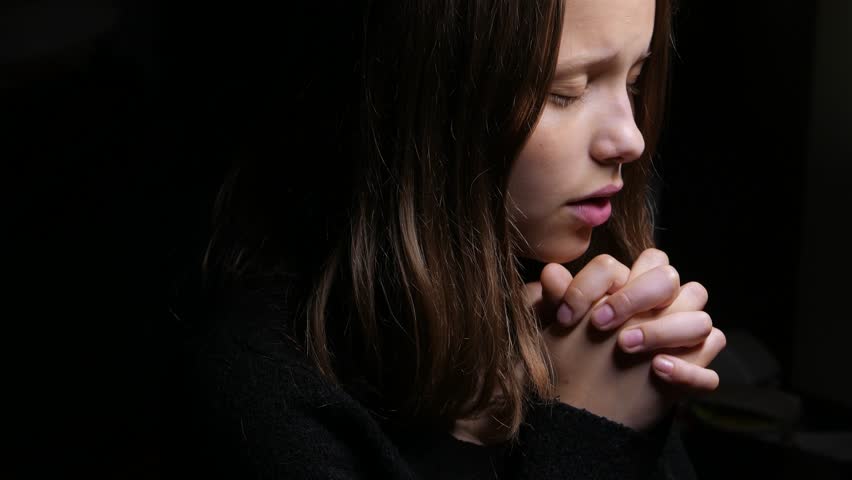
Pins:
x: 419, y: 295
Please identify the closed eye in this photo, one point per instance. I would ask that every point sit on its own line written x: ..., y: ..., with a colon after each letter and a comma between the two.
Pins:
x: 562, y: 101
x: 634, y: 83
x: 633, y: 88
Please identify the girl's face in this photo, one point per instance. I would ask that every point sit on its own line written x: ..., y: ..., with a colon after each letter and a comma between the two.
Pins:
x: 586, y: 129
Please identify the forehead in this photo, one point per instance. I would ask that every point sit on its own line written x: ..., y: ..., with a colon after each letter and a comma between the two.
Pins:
x: 606, y: 27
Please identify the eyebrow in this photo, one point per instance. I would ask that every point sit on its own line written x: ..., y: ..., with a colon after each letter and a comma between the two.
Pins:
x: 593, y: 62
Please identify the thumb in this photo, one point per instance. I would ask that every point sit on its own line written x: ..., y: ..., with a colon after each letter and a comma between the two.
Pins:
x: 545, y: 296
x: 534, y: 299
x: 554, y: 283
x: 533, y: 294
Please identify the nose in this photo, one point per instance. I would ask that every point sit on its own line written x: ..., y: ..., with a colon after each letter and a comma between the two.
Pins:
x: 618, y: 140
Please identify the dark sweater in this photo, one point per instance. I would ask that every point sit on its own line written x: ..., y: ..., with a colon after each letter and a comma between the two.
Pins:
x: 252, y: 407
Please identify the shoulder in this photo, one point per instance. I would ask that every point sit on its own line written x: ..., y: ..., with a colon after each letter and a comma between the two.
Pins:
x: 253, y: 322
x: 255, y: 405
x: 248, y: 349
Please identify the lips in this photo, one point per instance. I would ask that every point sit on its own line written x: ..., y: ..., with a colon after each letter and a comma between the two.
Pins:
x: 593, y: 211
x: 606, y: 191
x: 595, y: 208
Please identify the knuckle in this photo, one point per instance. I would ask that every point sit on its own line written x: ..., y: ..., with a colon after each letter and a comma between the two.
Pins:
x: 574, y: 296
x: 707, y: 322
x: 656, y: 256
x: 622, y: 302
x: 605, y: 261
x: 715, y: 341
x: 698, y: 291
x: 553, y: 271
x: 723, y: 341
x: 671, y: 275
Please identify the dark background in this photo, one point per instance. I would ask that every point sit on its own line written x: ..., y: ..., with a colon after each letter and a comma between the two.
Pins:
x: 121, y: 118
x: 755, y: 165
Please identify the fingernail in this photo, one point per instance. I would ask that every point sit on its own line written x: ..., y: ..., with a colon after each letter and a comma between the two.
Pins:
x: 565, y: 315
x: 632, y: 338
x: 603, y: 316
x: 663, y: 365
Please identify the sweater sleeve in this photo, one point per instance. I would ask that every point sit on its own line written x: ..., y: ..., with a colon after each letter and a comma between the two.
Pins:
x: 558, y: 440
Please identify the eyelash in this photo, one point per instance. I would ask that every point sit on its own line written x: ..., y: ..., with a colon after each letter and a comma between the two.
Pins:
x: 633, y: 88
x: 563, y: 101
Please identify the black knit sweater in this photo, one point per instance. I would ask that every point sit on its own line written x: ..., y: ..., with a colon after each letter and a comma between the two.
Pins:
x: 252, y: 407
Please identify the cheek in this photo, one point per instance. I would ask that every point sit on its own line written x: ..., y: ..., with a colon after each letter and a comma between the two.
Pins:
x: 542, y: 176
x: 548, y: 172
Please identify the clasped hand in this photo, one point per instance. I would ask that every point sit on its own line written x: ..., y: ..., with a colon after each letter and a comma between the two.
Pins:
x: 626, y: 343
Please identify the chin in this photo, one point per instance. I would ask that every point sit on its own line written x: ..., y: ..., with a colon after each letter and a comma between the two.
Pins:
x: 563, y: 248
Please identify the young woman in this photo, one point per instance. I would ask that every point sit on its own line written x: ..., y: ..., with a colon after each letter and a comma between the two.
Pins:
x: 454, y: 276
